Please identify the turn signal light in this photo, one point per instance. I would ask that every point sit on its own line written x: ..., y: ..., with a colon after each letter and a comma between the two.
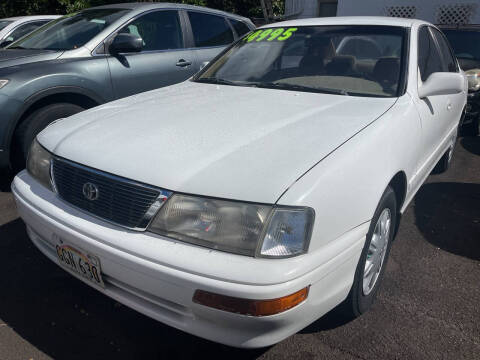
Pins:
x: 250, y: 307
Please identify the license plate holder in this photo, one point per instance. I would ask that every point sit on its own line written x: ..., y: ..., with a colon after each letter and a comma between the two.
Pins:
x: 80, y: 263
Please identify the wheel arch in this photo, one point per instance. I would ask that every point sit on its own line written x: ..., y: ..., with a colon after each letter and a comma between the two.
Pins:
x: 399, y: 185
x: 61, y: 94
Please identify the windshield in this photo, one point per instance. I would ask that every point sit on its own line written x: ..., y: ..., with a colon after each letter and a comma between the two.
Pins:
x: 464, y: 43
x: 71, y: 31
x: 347, y: 60
x: 4, y: 23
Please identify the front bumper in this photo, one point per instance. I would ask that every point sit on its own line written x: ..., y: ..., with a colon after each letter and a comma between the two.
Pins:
x: 162, y: 288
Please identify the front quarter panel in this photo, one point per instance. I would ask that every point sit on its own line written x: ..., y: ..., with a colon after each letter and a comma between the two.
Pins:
x: 346, y: 186
x: 84, y: 73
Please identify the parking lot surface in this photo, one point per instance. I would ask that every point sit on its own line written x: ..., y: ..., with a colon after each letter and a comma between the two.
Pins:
x: 428, y: 307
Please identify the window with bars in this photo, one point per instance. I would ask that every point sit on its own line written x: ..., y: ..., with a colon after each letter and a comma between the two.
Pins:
x: 401, y: 11
x: 455, y: 13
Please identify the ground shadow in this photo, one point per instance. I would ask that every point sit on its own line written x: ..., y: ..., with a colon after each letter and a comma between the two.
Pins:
x: 66, y: 319
x: 335, y: 318
x: 448, y: 215
x: 471, y: 144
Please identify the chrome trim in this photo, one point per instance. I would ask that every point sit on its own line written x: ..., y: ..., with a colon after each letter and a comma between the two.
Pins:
x: 161, y: 199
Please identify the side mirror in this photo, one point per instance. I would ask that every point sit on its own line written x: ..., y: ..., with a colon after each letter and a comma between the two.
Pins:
x: 442, y: 83
x: 126, y: 43
x: 473, y: 77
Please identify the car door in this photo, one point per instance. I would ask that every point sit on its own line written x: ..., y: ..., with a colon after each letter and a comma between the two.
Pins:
x: 455, y: 102
x: 210, y: 34
x: 438, y: 113
x: 163, y: 61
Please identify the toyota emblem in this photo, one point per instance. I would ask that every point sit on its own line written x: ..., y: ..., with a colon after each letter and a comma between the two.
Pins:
x: 90, y: 191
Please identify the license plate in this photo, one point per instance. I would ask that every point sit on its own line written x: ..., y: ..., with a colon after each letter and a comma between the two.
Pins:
x: 81, y: 263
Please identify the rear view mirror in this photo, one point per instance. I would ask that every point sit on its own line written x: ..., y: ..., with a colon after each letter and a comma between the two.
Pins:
x: 442, y: 83
x: 126, y: 43
x: 473, y: 77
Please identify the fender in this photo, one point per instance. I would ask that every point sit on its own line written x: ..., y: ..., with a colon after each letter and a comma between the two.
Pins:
x: 42, y: 95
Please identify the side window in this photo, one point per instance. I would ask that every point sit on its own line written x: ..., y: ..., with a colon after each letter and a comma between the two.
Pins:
x: 240, y: 27
x: 24, y: 29
x: 429, y: 60
x: 210, y: 30
x: 450, y: 63
x: 160, y: 30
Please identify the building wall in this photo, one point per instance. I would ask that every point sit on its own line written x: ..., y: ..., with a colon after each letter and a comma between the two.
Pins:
x: 454, y: 11
x: 301, y: 9
x: 430, y: 10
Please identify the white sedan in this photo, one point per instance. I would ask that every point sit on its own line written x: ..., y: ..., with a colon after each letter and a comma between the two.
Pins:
x: 247, y: 202
x: 14, y: 28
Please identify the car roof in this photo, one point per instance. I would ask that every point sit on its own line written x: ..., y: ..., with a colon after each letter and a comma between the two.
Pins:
x: 31, y: 17
x: 144, y: 6
x: 352, y: 20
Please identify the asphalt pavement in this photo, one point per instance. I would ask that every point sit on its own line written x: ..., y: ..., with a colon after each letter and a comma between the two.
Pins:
x: 428, y: 307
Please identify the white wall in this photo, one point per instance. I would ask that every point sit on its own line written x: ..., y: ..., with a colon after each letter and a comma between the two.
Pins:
x: 425, y: 9
x: 303, y: 8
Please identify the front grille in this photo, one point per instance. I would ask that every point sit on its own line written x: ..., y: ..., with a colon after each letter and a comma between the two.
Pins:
x: 121, y: 201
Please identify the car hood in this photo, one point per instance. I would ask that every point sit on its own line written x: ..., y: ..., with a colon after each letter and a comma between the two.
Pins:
x: 224, y: 141
x: 13, y: 57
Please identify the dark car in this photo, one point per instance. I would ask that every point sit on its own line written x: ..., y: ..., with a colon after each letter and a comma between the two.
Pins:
x: 465, y: 41
x: 99, y: 55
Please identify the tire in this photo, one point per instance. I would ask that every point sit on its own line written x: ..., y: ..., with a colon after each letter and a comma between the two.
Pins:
x: 365, y: 287
x: 32, y: 125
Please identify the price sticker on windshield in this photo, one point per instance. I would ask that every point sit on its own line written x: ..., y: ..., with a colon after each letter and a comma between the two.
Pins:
x: 278, y: 34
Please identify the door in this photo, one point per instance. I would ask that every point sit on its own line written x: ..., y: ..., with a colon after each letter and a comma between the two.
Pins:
x: 163, y: 61
x: 438, y: 113
x: 211, y: 34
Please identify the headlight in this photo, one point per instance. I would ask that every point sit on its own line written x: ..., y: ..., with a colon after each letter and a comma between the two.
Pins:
x: 3, y: 83
x: 38, y: 164
x: 242, y: 228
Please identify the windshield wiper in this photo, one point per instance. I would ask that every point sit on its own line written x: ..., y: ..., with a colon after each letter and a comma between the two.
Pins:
x: 294, y: 87
x: 20, y: 48
x: 219, y: 81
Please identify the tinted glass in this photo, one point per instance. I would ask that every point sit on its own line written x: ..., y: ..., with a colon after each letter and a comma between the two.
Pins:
x: 465, y: 43
x: 240, y: 27
x: 4, y: 23
x: 71, y: 31
x: 449, y: 60
x: 315, y: 59
x: 429, y: 60
x: 25, y: 29
x: 159, y: 30
x: 210, y: 30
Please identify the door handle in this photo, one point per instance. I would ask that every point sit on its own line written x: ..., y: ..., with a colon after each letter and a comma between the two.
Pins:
x: 183, y: 63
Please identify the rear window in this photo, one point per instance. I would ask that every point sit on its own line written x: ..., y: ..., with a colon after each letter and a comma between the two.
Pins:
x: 210, y: 30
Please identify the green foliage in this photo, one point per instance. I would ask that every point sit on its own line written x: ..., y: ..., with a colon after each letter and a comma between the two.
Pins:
x: 249, y: 8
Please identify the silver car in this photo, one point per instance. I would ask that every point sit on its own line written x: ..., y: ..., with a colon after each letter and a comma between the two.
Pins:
x: 102, y: 54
